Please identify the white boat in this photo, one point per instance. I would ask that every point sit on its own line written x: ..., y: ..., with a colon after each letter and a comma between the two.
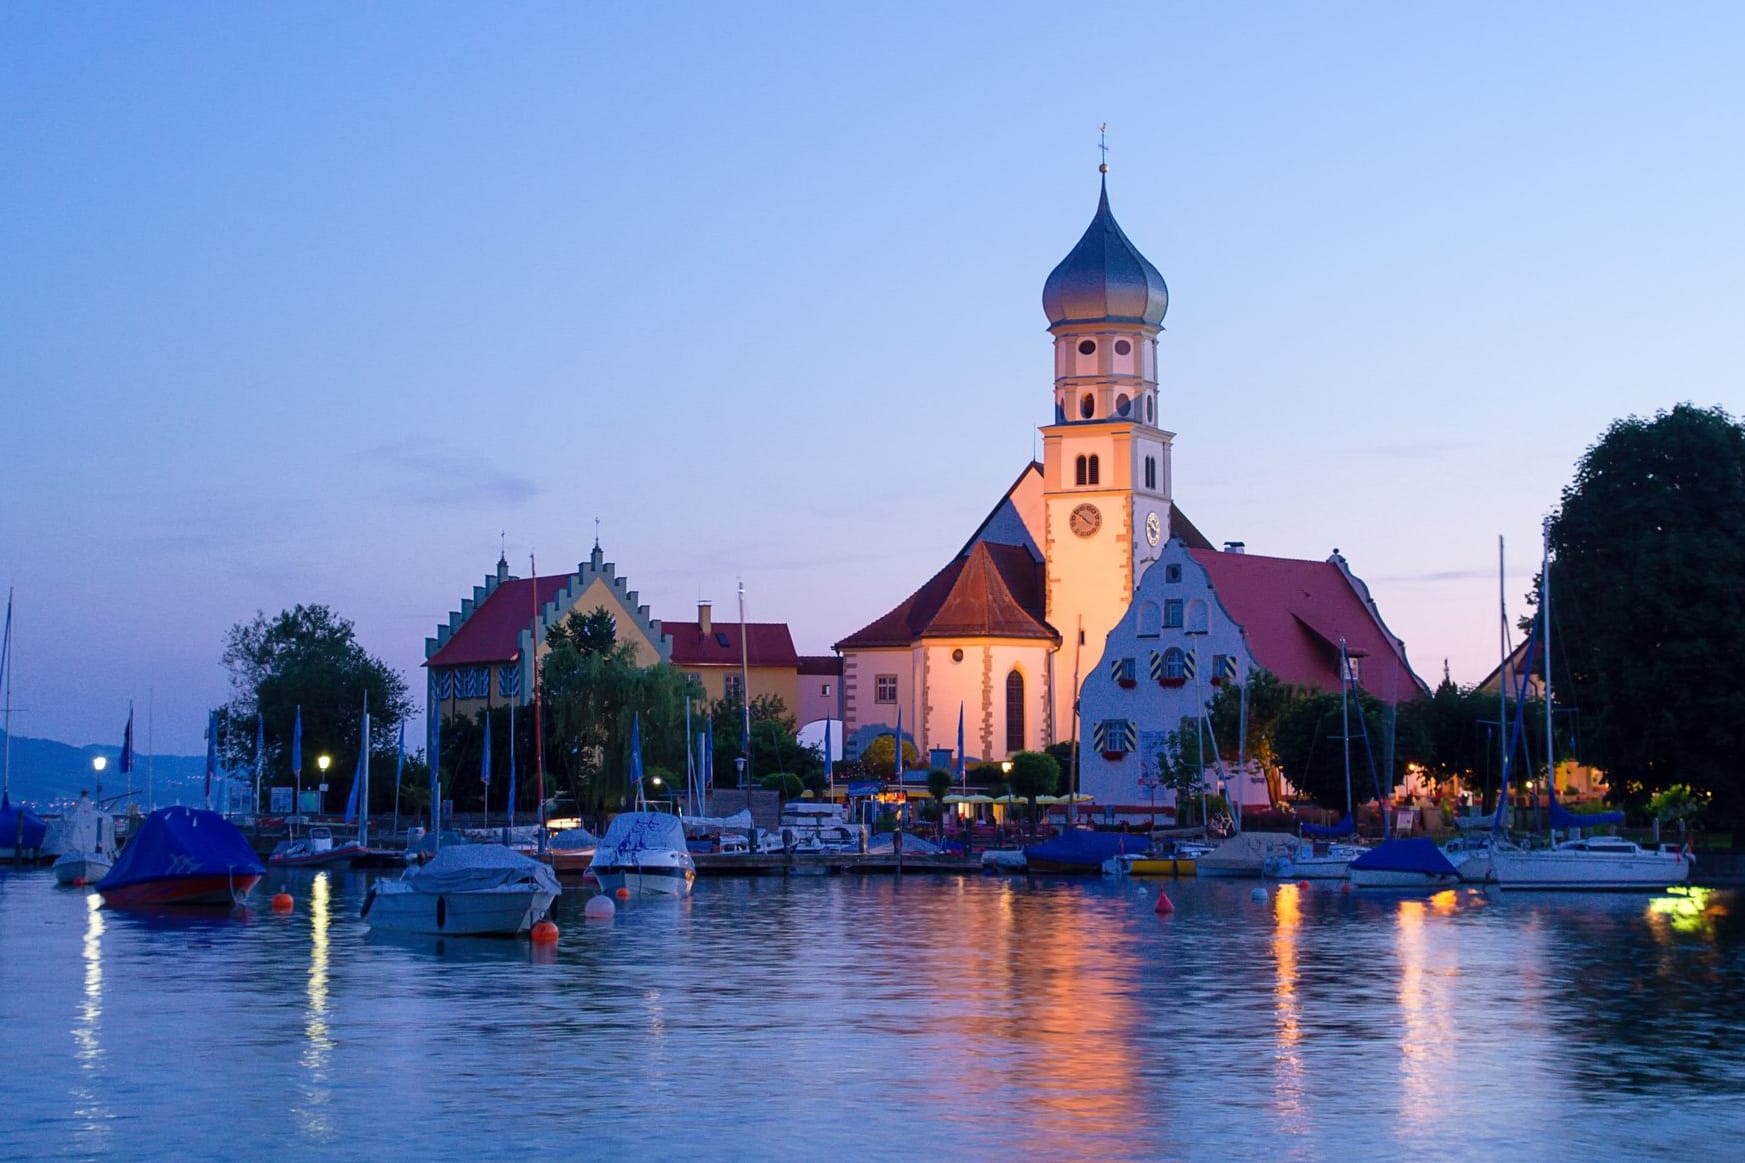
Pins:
x: 465, y: 889
x: 87, y: 844
x: 1595, y: 863
x: 1471, y: 854
x: 644, y: 854
x: 1413, y: 863
x: 1313, y: 860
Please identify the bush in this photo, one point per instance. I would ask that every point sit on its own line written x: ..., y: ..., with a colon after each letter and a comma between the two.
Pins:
x: 786, y: 782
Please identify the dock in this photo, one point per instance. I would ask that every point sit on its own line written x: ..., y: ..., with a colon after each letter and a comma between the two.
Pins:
x: 831, y: 863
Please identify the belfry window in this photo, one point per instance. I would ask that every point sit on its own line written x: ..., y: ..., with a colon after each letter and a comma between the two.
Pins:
x: 1091, y: 472
x: 1122, y: 404
x: 1151, y: 472
x: 1087, y: 406
x: 1078, y: 471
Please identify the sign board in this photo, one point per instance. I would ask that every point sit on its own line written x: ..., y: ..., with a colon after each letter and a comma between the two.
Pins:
x: 1403, y: 820
x: 281, y: 800
x: 311, y: 803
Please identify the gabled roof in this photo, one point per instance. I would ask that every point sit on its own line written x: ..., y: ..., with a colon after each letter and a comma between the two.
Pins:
x: 767, y: 644
x: 1005, y: 524
x: 994, y: 591
x: 830, y: 664
x: 1180, y: 526
x: 1293, y: 614
x: 491, y: 633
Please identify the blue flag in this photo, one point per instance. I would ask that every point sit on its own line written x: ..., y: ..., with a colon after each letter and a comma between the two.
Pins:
x: 127, y: 745
x: 260, y: 747
x: 960, y: 764
x: 897, y: 754
x: 435, y: 768
x: 829, y: 766
x: 297, y: 747
x: 485, y: 763
x: 357, y: 779
x: 636, y: 749
x: 709, y: 752
x: 511, y: 765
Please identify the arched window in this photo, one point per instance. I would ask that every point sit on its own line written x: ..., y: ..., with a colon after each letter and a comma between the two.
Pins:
x: 1150, y: 620
x: 1091, y: 476
x: 1078, y: 471
x: 1175, y: 663
x: 1150, y: 410
x: 1014, y: 712
x: 1087, y: 406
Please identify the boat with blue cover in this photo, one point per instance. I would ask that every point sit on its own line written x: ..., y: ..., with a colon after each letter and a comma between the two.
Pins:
x: 1415, y: 862
x: 182, y: 856
x: 1081, y: 851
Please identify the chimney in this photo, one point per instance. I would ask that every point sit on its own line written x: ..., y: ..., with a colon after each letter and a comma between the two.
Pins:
x: 1235, y: 547
x: 705, y: 621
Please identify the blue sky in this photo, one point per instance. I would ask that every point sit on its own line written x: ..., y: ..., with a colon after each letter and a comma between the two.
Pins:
x: 307, y: 303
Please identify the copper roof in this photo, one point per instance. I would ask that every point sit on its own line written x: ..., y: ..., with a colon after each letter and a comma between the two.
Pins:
x: 993, y: 591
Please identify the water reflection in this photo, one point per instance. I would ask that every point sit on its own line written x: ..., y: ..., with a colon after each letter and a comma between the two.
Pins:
x: 1426, y: 997
x: 1287, y: 1072
x: 313, y: 1113
x: 92, y: 1111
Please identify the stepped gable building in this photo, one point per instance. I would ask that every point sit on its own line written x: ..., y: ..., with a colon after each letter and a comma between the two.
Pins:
x: 1012, y: 626
x: 1204, y: 618
x: 484, y: 656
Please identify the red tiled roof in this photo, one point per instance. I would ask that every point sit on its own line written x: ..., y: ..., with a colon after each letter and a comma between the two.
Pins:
x: 994, y: 591
x: 1180, y: 526
x: 1293, y: 614
x: 766, y: 644
x: 820, y: 664
x: 493, y: 631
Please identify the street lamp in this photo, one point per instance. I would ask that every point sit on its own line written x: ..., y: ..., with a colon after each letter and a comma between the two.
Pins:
x: 322, y: 761
x: 98, y: 763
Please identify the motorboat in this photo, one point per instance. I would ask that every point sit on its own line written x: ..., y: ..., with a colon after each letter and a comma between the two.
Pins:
x: 1413, y: 862
x: 464, y: 890
x: 571, y: 850
x: 314, y: 850
x: 1312, y: 860
x: 644, y: 854
x: 1593, y: 863
x: 1471, y: 853
x: 183, y: 856
x: 87, y: 844
x: 1171, y: 858
x: 1082, y: 851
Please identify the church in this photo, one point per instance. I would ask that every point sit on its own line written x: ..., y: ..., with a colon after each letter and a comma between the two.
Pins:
x: 1016, y: 627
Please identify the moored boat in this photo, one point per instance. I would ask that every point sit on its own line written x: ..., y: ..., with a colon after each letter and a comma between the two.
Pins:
x: 465, y: 889
x: 1080, y: 851
x: 182, y: 856
x: 314, y: 850
x: 1415, y: 862
x: 1597, y: 863
x: 87, y: 847
x: 1313, y: 860
x: 644, y: 854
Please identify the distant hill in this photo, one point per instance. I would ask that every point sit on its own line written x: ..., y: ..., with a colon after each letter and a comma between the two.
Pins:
x: 44, y: 772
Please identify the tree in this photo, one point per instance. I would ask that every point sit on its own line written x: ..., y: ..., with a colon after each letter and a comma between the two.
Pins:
x: 1312, y: 751
x: 1034, y: 773
x: 876, y: 756
x: 1268, y: 699
x: 939, y: 782
x: 592, y: 633
x: 309, y: 657
x: 786, y: 782
x: 1648, y: 613
x: 775, y: 744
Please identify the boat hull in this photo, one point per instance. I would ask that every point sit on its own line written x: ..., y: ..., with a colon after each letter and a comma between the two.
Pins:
x: 646, y: 881
x: 221, y: 889
x: 343, y: 854
x: 505, y: 912
x: 1555, y: 870
x: 82, y: 868
x: 1402, y: 878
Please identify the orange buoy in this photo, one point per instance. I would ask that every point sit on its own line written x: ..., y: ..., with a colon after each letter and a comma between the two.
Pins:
x: 282, y: 902
x: 622, y: 894
x: 78, y: 882
x: 545, y: 933
x: 1164, y: 904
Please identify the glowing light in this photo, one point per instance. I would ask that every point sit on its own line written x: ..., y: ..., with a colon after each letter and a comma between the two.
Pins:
x: 1288, y: 1071
x: 311, y: 1113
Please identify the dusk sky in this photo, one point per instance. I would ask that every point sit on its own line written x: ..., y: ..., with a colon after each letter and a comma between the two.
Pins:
x: 307, y: 303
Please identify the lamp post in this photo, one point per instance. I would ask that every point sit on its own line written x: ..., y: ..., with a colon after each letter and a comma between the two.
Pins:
x: 322, y: 761
x: 98, y: 763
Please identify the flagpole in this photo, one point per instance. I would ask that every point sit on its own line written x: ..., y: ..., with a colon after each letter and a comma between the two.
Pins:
x: 745, y: 692
x: 538, y: 721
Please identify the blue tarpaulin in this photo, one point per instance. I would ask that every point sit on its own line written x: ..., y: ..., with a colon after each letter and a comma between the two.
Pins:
x: 180, y: 842
x: 1414, y: 855
x: 1562, y: 817
x: 1342, y: 828
x: 1079, y: 848
x: 34, y: 828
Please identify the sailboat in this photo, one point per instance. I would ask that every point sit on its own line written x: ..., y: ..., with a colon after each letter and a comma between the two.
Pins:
x: 21, y: 830
x: 1320, y: 859
x: 88, y: 846
x: 1595, y: 863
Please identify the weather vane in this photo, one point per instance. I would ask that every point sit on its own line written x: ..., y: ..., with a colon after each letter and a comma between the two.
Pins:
x: 1103, y: 146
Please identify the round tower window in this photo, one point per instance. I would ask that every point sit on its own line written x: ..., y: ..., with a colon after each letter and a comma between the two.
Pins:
x: 1087, y: 346
x: 1123, y: 405
x: 957, y: 655
x: 1122, y: 347
x: 1088, y: 406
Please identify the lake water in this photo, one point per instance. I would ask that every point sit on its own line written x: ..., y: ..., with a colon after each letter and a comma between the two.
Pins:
x: 884, y: 1018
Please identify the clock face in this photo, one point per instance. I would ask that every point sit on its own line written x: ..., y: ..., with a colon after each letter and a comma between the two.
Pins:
x: 1085, y: 520
x: 1153, y: 529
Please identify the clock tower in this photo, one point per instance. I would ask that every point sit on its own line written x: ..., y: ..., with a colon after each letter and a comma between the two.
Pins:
x: 1105, y: 460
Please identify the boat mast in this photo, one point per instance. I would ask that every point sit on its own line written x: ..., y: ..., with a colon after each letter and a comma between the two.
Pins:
x: 745, y: 701
x: 1502, y: 674
x: 6, y: 669
x: 1345, y: 726
x: 1545, y: 617
x: 538, y: 722
x: 363, y: 825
